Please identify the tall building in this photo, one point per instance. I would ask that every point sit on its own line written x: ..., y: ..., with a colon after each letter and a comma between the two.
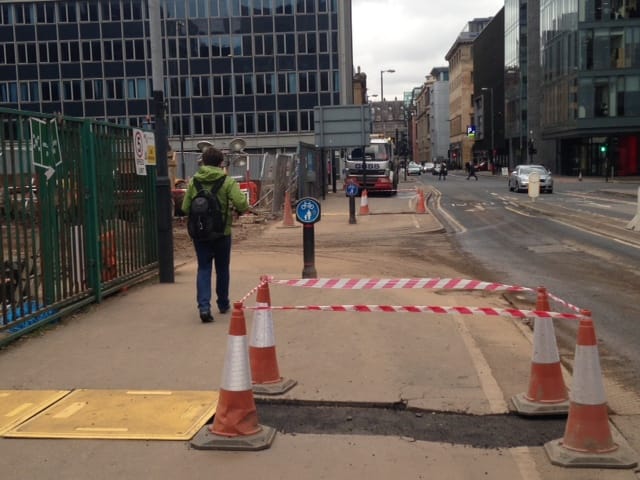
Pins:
x: 461, y: 112
x: 590, y: 64
x: 232, y: 68
x: 488, y: 95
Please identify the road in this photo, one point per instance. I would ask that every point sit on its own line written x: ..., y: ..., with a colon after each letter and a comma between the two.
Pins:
x: 565, y: 241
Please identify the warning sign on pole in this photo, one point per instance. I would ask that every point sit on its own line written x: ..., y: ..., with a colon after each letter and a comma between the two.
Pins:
x: 144, y: 148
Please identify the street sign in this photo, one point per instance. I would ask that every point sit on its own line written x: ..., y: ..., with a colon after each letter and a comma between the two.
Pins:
x: 342, y: 126
x: 352, y: 189
x: 308, y: 210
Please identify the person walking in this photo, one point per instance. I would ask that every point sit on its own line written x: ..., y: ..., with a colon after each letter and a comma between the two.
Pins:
x: 442, y: 174
x: 216, y: 251
x: 472, y: 171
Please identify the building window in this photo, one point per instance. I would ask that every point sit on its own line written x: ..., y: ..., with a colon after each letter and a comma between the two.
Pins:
x: 67, y: 12
x: 245, y: 123
x: 284, y: 6
x: 29, y: 92
x: 115, y: 88
x: 27, y: 53
x: 263, y: 44
x: 266, y: 122
x: 6, y: 14
x: 265, y: 83
x: 288, y: 121
x: 93, y: 90
x: 221, y: 85
x: 307, y: 81
x: 50, y: 91
x: 9, y: 92
x: 46, y: 13
x: 89, y: 11
x: 306, y: 121
x: 287, y: 82
x: 71, y: 90
x: 244, y: 84
x: 222, y: 123
x: 285, y: 44
x: 262, y: 7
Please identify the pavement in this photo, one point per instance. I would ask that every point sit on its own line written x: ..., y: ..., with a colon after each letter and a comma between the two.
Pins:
x: 149, y: 338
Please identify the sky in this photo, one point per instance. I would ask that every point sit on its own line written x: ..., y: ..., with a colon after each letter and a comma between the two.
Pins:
x: 410, y: 37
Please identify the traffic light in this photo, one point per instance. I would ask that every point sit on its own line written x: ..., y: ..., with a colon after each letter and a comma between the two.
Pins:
x: 603, y: 148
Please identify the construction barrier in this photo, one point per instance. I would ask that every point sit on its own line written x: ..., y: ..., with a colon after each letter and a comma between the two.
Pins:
x: 287, y: 217
x: 420, y: 202
x: 588, y: 441
x: 364, y: 203
x: 235, y: 423
x: 547, y: 393
x: 265, y: 373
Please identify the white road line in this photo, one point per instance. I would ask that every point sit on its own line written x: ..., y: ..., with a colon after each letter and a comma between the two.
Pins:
x: 490, y: 387
x: 525, y: 463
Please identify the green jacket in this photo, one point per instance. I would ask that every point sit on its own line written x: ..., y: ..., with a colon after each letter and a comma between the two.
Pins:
x: 229, y: 194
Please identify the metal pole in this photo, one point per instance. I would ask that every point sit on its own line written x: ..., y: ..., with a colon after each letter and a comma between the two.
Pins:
x: 163, y: 191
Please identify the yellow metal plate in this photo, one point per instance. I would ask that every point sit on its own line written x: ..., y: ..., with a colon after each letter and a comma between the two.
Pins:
x: 16, y: 406
x: 123, y: 414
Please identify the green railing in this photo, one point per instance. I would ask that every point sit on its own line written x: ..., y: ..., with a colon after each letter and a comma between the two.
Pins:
x: 77, y: 220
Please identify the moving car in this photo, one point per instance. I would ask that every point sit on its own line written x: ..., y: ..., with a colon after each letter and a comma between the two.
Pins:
x: 414, y: 169
x: 428, y: 167
x: 519, y: 178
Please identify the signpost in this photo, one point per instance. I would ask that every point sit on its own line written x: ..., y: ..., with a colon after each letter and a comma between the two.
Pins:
x: 352, y: 191
x: 308, y: 213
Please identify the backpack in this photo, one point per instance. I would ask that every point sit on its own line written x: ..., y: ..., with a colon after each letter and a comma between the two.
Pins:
x: 207, y: 219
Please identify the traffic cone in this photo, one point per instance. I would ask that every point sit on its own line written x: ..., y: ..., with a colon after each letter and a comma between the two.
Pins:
x: 287, y: 217
x: 547, y: 394
x: 420, y: 207
x: 262, y: 348
x: 235, y: 424
x: 364, y: 203
x: 588, y: 439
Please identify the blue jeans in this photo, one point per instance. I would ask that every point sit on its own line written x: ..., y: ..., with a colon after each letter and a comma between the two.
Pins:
x: 218, y: 253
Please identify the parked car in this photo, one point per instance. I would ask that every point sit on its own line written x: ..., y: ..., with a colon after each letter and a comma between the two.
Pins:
x: 414, y: 169
x: 519, y: 178
x: 428, y: 167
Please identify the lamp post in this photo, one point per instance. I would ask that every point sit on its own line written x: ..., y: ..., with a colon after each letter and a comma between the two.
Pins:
x: 490, y: 89
x: 180, y: 95
x: 384, y: 126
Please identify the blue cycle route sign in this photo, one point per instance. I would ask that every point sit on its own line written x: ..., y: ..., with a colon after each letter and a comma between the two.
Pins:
x: 308, y: 210
x: 352, y: 190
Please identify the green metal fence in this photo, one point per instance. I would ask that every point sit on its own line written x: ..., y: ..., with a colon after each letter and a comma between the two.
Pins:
x: 77, y: 219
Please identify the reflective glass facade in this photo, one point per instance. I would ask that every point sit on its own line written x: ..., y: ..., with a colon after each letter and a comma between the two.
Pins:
x: 591, y: 84
x: 232, y: 67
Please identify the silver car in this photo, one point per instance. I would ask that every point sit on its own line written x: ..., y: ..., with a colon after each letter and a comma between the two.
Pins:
x: 519, y: 178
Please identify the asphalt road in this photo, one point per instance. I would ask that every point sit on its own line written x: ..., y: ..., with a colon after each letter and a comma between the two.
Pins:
x: 567, y: 243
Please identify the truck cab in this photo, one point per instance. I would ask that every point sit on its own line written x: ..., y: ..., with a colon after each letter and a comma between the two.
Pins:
x: 373, y: 168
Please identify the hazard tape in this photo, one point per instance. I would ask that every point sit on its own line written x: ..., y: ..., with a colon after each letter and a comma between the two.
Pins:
x: 486, y: 311
x: 381, y: 283
x: 566, y: 304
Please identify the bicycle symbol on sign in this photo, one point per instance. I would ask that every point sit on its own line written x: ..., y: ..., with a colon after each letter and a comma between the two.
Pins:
x: 308, y: 210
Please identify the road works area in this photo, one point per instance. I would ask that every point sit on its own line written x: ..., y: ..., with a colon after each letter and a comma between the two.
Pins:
x: 404, y: 392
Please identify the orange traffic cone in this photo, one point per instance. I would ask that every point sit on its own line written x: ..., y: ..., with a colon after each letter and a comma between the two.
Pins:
x: 262, y: 348
x: 547, y: 394
x: 364, y: 203
x: 287, y: 217
x: 588, y: 441
x: 235, y: 424
x: 420, y: 206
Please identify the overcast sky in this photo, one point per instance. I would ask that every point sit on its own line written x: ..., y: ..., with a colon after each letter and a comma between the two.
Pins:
x: 410, y: 37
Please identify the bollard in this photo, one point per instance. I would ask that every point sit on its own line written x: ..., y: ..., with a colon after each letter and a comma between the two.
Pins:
x: 634, y: 224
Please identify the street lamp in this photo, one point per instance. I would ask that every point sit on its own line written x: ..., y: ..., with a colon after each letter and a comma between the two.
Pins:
x: 180, y: 95
x: 382, y: 72
x: 490, y: 89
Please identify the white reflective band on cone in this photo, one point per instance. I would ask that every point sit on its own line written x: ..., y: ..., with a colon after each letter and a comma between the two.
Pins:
x: 545, y: 349
x: 236, y: 376
x: 262, y: 331
x: 587, y: 387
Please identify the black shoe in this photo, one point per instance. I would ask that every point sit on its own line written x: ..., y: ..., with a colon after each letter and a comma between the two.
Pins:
x: 224, y: 310
x: 206, y: 317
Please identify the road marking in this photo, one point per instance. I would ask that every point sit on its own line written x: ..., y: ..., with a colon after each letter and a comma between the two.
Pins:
x: 518, y: 212
x: 525, y: 463
x: 488, y: 383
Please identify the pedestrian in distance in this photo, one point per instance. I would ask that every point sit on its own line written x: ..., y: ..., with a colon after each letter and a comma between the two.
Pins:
x: 213, y: 247
x: 472, y: 171
x: 442, y: 174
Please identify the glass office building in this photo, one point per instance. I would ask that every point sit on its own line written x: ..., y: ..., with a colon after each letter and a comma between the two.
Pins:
x: 590, y: 51
x: 232, y: 68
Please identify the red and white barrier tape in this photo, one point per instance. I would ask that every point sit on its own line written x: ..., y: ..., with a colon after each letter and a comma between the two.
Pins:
x: 380, y: 283
x: 255, y: 289
x: 566, y: 304
x: 486, y: 311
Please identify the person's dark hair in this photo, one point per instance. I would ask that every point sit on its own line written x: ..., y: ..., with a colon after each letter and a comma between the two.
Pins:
x: 212, y: 156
